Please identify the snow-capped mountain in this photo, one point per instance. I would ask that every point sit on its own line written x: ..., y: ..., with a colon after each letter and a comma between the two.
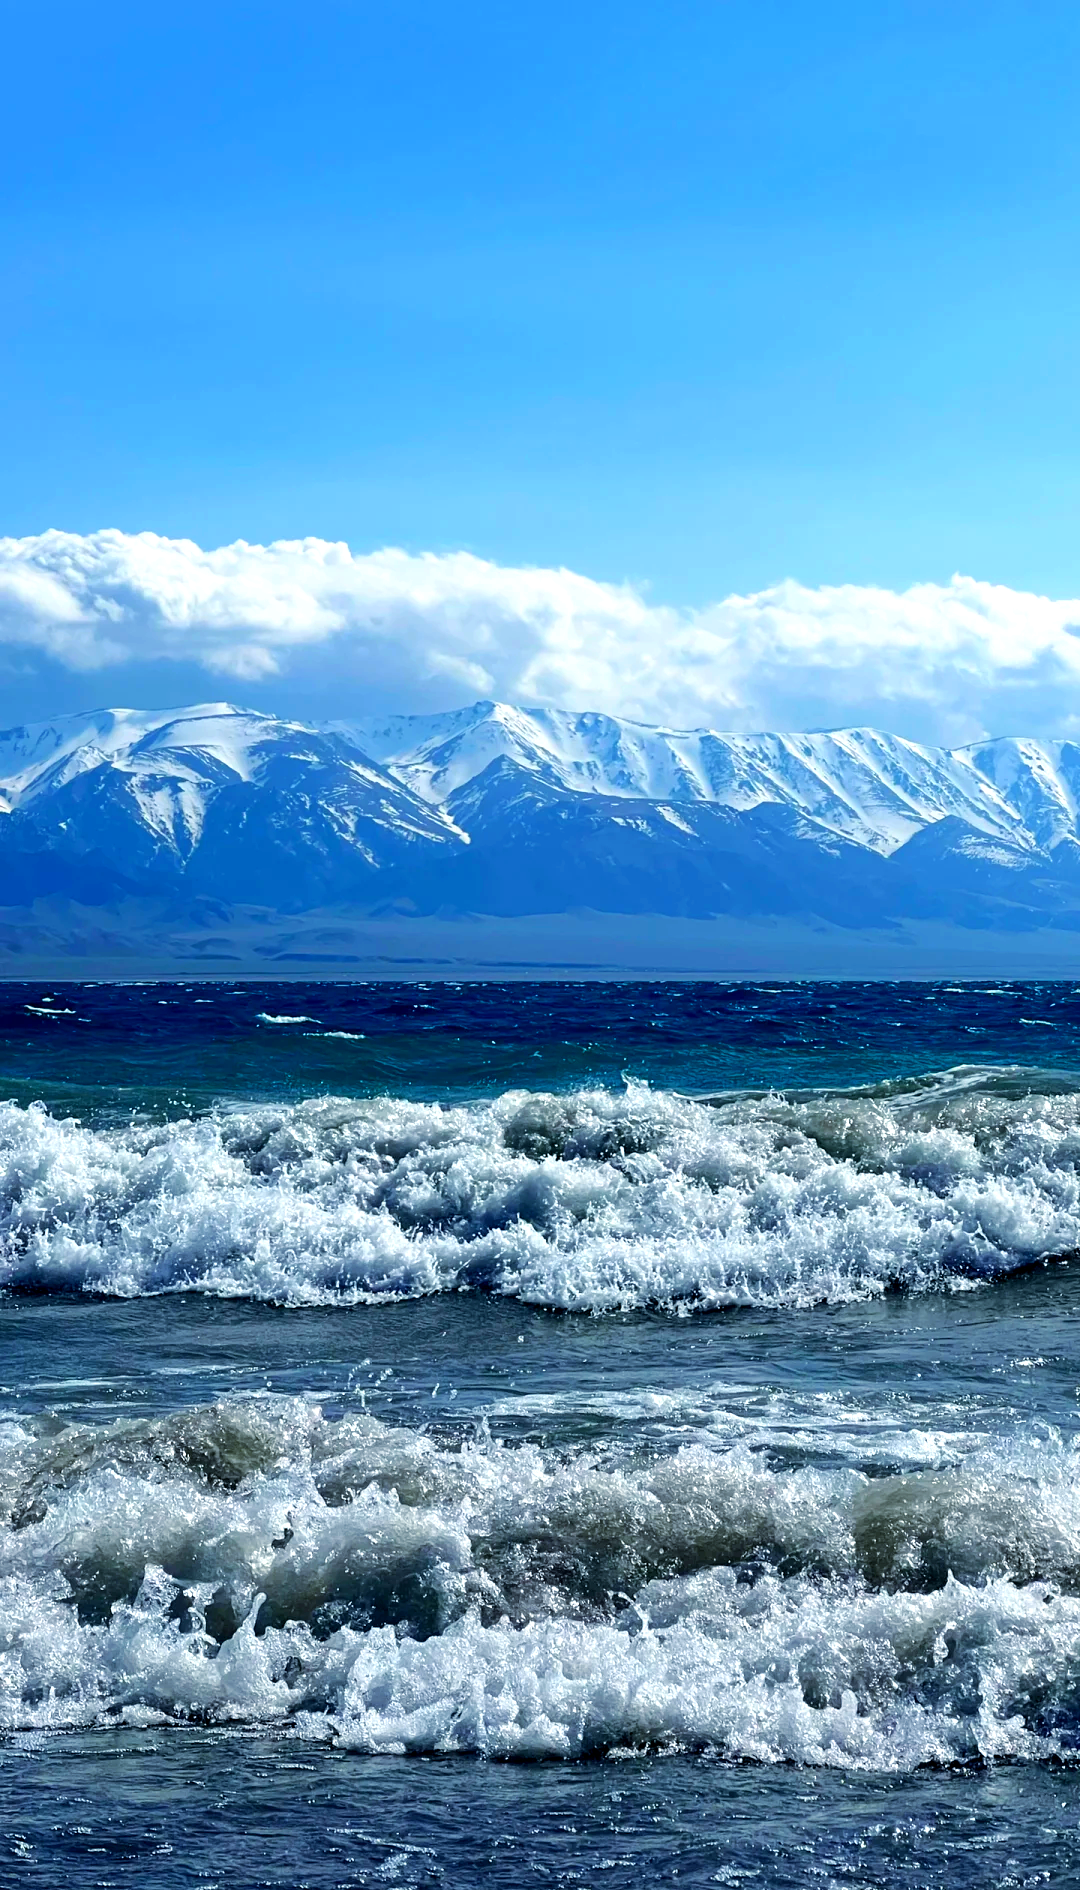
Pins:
x: 505, y: 811
x: 211, y: 799
x: 875, y: 789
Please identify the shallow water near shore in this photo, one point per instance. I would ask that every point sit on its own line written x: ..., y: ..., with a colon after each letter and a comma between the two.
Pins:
x: 130, y: 1808
x: 697, y: 1427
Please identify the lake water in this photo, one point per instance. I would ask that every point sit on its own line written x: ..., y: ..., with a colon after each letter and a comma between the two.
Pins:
x: 670, y: 1389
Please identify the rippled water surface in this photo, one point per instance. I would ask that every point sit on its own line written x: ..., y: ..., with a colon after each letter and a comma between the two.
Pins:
x: 672, y: 1389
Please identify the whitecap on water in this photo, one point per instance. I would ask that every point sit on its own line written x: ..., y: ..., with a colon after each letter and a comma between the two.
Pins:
x: 590, y: 1202
x: 252, y: 1562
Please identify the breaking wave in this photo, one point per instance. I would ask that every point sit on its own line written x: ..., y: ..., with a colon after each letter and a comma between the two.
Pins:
x: 592, y: 1201
x: 252, y: 1562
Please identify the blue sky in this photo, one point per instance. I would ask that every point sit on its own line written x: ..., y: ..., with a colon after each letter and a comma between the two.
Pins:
x: 700, y: 296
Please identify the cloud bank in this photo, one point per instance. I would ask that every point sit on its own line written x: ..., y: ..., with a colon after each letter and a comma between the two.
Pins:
x: 942, y: 662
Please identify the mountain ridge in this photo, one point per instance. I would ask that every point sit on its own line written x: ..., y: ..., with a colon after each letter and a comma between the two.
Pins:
x: 825, y: 773
x: 501, y: 810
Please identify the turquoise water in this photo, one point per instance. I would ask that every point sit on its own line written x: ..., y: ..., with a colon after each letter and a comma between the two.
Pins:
x: 457, y: 1041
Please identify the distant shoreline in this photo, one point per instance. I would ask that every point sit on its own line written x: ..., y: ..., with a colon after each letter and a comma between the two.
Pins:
x: 339, y: 947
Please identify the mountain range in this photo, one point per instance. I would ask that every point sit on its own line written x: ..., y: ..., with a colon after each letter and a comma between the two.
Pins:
x: 503, y: 812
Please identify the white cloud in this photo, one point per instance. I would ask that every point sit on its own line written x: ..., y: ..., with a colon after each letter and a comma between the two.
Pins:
x: 947, y: 662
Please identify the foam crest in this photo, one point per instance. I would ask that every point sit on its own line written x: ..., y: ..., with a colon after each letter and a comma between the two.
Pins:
x: 253, y: 1562
x: 592, y: 1201
x: 819, y: 1675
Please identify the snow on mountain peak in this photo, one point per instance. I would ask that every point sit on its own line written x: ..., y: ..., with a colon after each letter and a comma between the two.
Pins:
x: 873, y: 788
x: 406, y: 774
x: 30, y: 754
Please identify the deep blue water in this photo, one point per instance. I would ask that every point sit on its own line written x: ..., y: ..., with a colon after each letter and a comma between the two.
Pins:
x: 672, y: 1388
x: 461, y: 1040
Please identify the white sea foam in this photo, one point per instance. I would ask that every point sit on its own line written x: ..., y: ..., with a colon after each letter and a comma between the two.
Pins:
x: 252, y: 1562
x: 897, y: 1433
x: 590, y: 1201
